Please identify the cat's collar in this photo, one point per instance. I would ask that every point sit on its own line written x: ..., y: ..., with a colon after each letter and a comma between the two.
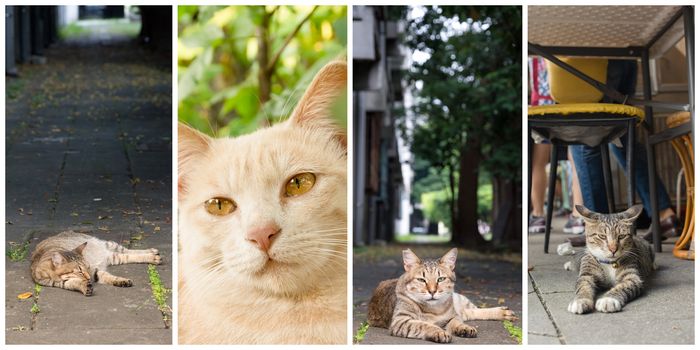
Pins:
x: 614, y: 263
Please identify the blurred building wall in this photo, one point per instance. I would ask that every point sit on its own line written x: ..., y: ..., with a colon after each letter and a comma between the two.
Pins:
x: 28, y: 31
x: 377, y: 89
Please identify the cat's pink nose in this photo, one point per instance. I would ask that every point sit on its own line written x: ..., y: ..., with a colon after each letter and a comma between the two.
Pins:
x: 262, y: 236
x: 612, y: 248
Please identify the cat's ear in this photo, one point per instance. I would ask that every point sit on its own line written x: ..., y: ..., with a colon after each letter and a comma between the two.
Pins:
x: 410, y: 260
x: 586, y: 214
x: 631, y: 214
x: 191, y: 144
x: 79, y: 249
x: 57, y: 259
x: 450, y: 259
x: 316, y: 106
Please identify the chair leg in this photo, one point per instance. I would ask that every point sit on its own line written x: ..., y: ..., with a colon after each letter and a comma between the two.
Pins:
x: 607, y: 177
x: 551, y: 187
x: 630, y: 166
x: 651, y: 169
x: 530, y: 147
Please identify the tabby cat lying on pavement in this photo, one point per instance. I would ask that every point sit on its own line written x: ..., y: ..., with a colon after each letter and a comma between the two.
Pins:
x: 614, y: 260
x: 72, y: 260
x: 422, y: 303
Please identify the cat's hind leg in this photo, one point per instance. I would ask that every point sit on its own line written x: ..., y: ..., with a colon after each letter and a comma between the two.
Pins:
x: 138, y: 258
x: 118, y: 248
x: 499, y: 313
x: 105, y: 277
x: 461, y: 329
x: 470, y: 312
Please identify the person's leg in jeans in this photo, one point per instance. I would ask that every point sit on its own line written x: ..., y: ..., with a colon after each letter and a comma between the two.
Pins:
x: 589, y: 170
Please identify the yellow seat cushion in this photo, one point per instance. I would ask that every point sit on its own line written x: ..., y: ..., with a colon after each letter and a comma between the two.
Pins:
x: 593, y: 108
x: 568, y: 88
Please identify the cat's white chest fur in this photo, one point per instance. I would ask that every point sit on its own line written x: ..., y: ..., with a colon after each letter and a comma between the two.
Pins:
x: 610, y: 273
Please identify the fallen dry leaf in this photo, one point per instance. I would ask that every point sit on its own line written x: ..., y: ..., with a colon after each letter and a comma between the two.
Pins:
x: 23, y: 296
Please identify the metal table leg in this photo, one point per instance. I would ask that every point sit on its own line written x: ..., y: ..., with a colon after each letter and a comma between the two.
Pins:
x: 651, y: 154
x: 552, y: 184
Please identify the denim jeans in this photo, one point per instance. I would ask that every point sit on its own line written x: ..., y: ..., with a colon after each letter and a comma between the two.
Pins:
x: 589, y: 168
x: 622, y: 76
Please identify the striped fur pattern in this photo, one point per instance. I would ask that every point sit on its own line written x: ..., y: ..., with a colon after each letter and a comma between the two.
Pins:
x: 422, y: 304
x: 73, y: 261
x: 615, y: 264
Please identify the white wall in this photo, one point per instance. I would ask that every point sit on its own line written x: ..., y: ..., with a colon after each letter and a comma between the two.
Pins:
x: 67, y: 15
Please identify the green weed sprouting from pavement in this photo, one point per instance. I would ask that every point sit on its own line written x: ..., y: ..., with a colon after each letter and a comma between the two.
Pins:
x: 35, y: 307
x: 514, y: 331
x: 18, y: 251
x: 160, y: 293
x: 360, y: 335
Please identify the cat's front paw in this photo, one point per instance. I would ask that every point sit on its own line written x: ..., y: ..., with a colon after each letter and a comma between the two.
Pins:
x: 580, y: 306
x: 87, y: 289
x: 465, y: 331
x: 154, y: 251
x: 508, y: 314
x: 156, y: 260
x: 439, y: 336
x: 608, y: 304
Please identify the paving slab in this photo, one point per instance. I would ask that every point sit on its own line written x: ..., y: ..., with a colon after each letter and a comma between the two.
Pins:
x: 663, y: 314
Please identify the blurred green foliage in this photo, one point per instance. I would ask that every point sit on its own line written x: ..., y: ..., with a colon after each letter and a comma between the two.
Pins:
x: 242, y: 67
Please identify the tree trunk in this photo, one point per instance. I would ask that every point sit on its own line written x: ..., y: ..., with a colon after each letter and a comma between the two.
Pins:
x: 453, y: 210
x: 507, y: 211
x: 466, y: 233
x: 264, y: 74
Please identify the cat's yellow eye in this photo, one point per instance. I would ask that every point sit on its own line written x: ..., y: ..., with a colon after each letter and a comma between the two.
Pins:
x: 300, y: 184
x: 440, y: 279
x: 220, y: 206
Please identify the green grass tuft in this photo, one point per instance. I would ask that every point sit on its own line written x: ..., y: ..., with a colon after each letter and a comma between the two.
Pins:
x: 160, y: 293
x: 35, y: 308
x: 360, y: 335
x: 17, y: 251
x: 514, y: 331
x: 13, y: 89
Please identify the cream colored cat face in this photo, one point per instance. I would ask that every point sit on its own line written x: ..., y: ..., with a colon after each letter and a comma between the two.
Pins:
x: 269, y: 209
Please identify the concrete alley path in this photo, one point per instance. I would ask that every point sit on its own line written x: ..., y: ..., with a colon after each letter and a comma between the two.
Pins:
x: 88, y: 148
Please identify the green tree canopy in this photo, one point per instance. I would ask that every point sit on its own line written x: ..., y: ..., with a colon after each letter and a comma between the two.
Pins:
x: 465, y: 77
x: 241, y: 67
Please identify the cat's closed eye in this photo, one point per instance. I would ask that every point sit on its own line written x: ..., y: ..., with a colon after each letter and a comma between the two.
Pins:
x: 421, y: 280
x: 300, y: 184
x: 220, y: 206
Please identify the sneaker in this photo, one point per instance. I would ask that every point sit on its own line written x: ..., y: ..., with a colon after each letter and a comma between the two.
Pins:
x: 562, y: 212
x: 670, y: 227
x: 575, y: 225
x: 536, y: 224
